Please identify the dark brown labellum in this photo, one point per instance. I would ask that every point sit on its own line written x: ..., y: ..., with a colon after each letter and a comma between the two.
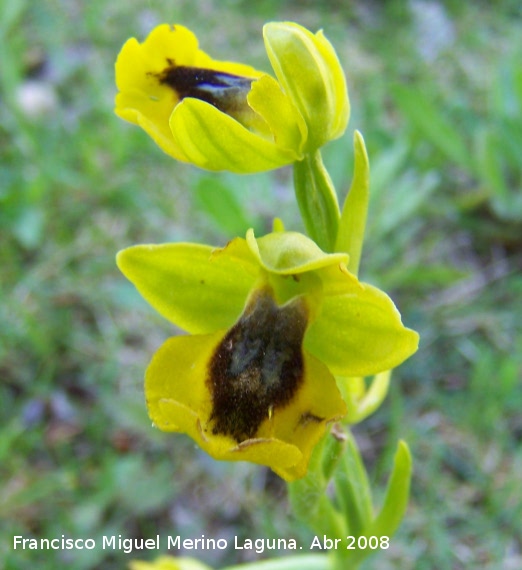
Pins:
x: 225, y: 91
x: 258, y: 366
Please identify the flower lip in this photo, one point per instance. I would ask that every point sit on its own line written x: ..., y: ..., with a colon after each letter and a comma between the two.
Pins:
x: 258, y: 366
x: 226, y: 91
x: 179, y: 399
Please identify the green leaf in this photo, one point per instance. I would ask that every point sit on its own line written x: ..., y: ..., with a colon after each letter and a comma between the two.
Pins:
x: 397, y: 494
x: 506, y: 92
x: 394, y: 506
x: 350, y: 236
x: 424, y: 276
x: 401, y: 201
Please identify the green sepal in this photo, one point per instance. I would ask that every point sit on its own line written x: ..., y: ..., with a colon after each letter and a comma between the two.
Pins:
x: 197, y: 287
x: 375, y: 395
x: 201, y: 290
x: 382, y: 342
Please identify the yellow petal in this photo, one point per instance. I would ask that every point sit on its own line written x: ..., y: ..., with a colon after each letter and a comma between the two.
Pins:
x: 213, y: 140
x: 288, y: 127
x: 152, y: 115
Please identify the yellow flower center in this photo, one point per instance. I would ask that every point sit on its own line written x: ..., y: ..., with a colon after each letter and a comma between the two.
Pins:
x: 258, y: 366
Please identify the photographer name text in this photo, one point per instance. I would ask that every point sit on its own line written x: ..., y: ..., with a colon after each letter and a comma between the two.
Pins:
x: 259, y: 545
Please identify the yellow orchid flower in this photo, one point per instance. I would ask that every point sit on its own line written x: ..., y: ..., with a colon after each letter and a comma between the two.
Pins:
x: 169, y: 563
x: 271, y: 321
x: 222, y: 115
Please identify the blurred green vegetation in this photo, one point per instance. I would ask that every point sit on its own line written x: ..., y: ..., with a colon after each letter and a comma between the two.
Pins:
x: 436, y: 89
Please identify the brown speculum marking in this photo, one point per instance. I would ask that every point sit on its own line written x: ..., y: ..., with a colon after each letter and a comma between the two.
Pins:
x: 225, y: 91
x: 258, y: 366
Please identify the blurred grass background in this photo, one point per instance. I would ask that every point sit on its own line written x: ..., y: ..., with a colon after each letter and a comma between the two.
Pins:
x: 436, y: 89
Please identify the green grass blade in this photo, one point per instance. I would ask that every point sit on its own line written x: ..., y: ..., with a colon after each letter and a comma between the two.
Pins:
x: 430, y: 121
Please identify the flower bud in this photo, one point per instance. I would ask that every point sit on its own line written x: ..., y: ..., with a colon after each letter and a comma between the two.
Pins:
x: 309, y: 71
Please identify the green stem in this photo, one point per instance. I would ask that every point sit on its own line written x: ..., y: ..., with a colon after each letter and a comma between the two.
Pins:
x: 308, y: 497
x: 317, y: 200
